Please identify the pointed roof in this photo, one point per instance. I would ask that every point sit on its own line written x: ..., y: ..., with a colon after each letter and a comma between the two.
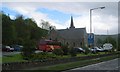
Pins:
x: 72, y: 24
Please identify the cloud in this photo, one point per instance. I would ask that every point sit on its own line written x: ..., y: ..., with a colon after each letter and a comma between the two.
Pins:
x: 99, y: 25
x: 37, y: 16
x: 31, y: 13
x: 101, y: 19
x: 60, y: 1
x: 12, y: 17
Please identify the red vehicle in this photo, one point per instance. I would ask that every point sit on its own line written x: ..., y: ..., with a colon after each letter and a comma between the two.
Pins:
x: 48, y: 45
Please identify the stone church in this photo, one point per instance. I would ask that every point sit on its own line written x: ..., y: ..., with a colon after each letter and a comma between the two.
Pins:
x: 73, y: 37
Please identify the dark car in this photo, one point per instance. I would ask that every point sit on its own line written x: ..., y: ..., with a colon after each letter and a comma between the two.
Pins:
x: 79, y: 49
x: 7, y: 48
x: 17, y: 47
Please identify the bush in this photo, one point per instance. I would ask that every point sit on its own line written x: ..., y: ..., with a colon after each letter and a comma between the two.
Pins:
x: 28, y: 50
x: 65, y: 49
x: 58, y: 51
x: 73, y: 52
x: 43, y: 55
x: 86, y: 50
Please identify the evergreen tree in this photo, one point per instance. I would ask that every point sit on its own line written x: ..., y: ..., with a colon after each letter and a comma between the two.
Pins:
x: 8, y: 30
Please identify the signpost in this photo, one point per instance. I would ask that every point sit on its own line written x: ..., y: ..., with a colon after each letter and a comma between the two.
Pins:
x: 91, y: 39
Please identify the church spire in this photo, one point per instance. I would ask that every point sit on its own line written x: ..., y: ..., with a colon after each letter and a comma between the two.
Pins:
x: 72, y: 24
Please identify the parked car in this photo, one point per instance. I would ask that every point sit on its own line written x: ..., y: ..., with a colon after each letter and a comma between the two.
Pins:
x: 96, y: 49
x: 79, y: 49
x: 17, y: 47
x: 7, y: 48
x: 99, y: 49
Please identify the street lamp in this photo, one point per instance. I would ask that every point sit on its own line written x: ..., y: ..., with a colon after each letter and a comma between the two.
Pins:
x: 91, y: 37
x: 91, y: 17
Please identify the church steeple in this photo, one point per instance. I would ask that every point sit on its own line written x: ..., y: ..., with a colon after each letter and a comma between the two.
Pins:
x: 72, y: 24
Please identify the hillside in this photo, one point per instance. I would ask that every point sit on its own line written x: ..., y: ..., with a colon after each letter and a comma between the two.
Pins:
x: 102, y: 37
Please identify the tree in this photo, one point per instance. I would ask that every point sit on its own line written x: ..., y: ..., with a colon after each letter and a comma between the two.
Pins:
x: 118, y: 42
x: 46, y: 25
x: 99, y: 42
x: 23, y: 31
x: 0, y: 27
x: 20, y: 30
x: 28, y: 50
x: 8, y: 30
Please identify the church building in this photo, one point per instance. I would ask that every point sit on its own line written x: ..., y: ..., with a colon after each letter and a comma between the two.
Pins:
x: 73, y: 37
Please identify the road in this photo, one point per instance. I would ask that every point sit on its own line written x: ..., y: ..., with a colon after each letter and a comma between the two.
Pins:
x: 14, y: 52
x: 107, y: 65
x: 9, y: 53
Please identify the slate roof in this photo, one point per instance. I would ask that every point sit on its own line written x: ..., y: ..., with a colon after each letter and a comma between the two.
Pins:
x: 74, y: 33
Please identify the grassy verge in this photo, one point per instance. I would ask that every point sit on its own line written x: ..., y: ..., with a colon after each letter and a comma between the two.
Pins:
x: 18, y: 57
x: 79, y: 55
x: 14, y: 58
x: 66, y: 66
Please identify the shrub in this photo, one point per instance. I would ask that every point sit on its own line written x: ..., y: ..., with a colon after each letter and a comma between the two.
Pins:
x: 43, y: 55
x: 73, y: 52
x: 86, y: 50
x: 58, y: 51
x: 65, y: 49
x: 28, y: 50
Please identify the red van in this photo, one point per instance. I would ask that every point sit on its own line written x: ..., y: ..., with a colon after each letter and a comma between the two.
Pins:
x: 48, y: 45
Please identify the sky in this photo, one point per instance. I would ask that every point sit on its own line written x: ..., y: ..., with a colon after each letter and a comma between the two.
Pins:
x: 59, y: 13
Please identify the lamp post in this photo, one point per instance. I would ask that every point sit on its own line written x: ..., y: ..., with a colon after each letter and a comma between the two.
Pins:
x: 91, y: 18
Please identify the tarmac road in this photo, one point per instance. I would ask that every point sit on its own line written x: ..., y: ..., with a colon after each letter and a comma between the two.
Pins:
x: 9, y: 53
x: 13, y: 53
x: 109, y: 66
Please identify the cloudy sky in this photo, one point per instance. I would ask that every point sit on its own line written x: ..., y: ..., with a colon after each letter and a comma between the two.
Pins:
x: 58, y: 14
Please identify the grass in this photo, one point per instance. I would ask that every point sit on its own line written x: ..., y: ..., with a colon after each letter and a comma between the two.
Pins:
x: 59, y: 67
x: 90, y: 54
x: 14, y: 58
x: 80, y: 55
x: 18, y: 57
x: 70, y: 65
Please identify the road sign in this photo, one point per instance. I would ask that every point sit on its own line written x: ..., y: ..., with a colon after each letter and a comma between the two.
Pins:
x: 90, y: 39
